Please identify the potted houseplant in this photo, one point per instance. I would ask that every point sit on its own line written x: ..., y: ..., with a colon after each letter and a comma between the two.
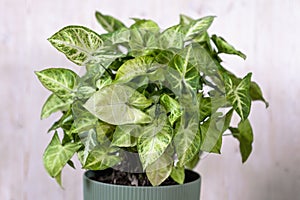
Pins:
x: 147, y: 105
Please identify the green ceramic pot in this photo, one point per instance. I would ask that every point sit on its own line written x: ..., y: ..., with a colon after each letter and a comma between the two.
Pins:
x: 94, y: 190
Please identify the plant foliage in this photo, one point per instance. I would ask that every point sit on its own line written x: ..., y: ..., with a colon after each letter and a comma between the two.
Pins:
x: 163, y: 95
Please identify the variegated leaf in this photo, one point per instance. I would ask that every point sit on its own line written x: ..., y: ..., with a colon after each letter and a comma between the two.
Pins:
x: 172, y: 106
x: 172, y: 37
x: 89, y: 140
x: 78, y: 43
x: 115, y: 104
x: 156, y: 137
x: 62, y: 82
x: 102, y: 157
x: 56, y: 155
x: 125, y: 135
x: 178, y: 174
x: 136, y: 67
x: 238, y: 95
x: 160, y: 170
x: 185, y: 20
x: 54, y: 104
x: 197, y: 27
x: 109, y: 23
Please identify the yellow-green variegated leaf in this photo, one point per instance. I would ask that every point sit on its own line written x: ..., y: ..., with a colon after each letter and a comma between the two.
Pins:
x: 116, y: 104
x: 225, y: 47
x: 62, y: 82
x: 172, y: 37
x: 109, y: 23
x: 156, y: 137
x: 178, y: 174
x: 102, y: 157
x: 78, y: 43
x: 57, y: 155
x: 136, y: 67
x: 187, y: 138
x: 172, y: 106
x: 104, y: 132
x: 238, y: 95
x: 160, y: 170
x: 197, y: 27
x: 54, y: 104
x: 125, y: 135
x: 185, y: 20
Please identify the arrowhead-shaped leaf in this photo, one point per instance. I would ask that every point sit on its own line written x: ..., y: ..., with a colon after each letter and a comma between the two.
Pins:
x: 244, y: 134
x: 238, y: 95
x: 61, y: 82
x: 89, y: 140
x: 178, y: 174
x: 160, y: 170
x: 125, y: 135
x: 172, y: 106
x: 256, y: 93
x: 197, y: 27
x: 109, y: 23
x: 78, y: 43
x: 54, y: 104
x: 225, y: 47
x: 156, y: 137
x: 115, y: 104
x: 185, y: 20
x: 56, y: 155
x: 172, y: 37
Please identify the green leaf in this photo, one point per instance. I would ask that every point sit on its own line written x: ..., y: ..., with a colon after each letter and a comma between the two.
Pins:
x: 136, y: 67
x: 109, y: 23
x: 187, y: 138
x: 225, y: 47
x: 160, y: 170
x: 60, y: 81
x: 172, y: 106
x: 156, y: 137
x: 238, y: 95
x: 115, y: 104
x: 78, y: 43
x: 125, y: 135
x: 205, y: 107
x: 256, y: 93
x: 102, y: 157
x: 197, y: 27
x: 58, y: 179
x: 193, y: 162
x: 85, y: 92
x: 185, y: 20
x: 89, y: 140
x: 172, y: 37
x: 244, y: 134
x: 65, y: 122
x: 104, y: 132
x: 178, y: 174
x: 52, y: 105
x: 145, y: 25
x: 56, y: 156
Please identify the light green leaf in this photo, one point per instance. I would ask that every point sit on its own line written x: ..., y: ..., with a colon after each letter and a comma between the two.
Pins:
x: 256, y: 93
x: 225, y: 47
x: 156, y: 137
x: 244, y: 134
x: 56, y: 156
x: 160, y: 170
x: 115, y: 104
x: 60, y: 81
x: 172, y: 37
x: 178, y: 174
x: 104, y: 132
x: 205, y: 107
x: 52, y: 105
x: 65, y: 122
x: 58, y: 179
x: 78, y: 43
x: 187, y: 138
x: 102, y: 157
x: 172, y: 106
x: 185, y: 20
x: 109, y: 23
x: 85, y: 92
x: 136, y: 67
x: 125, y: 135
x: 197, y: 27
x: 238, y: 95
x: 145, y: 25
x: 194, y: 161
x: 89, y: 140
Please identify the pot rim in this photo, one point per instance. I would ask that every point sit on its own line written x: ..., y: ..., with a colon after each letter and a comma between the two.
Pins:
x: 198, y: 179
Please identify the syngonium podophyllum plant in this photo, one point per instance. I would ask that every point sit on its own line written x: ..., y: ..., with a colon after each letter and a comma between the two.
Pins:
x: 149, y: 101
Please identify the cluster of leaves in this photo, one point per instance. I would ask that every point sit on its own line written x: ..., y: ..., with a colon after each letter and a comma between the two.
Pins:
x: 161, y: 94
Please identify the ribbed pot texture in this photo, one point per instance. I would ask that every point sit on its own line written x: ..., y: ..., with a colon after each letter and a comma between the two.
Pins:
x: 94, y: 190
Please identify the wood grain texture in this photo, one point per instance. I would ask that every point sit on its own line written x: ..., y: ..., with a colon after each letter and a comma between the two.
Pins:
x: 267, y: 31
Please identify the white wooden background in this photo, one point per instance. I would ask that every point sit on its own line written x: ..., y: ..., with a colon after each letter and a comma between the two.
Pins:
x: 267, y: 31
